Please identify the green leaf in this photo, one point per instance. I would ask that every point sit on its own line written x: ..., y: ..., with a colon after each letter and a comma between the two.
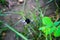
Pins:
x: 47, y: 30
x: 51, y: 30
x: 57, y: 32
x: 56, y: 23
x: 41, y: 28
x: 47, y: 21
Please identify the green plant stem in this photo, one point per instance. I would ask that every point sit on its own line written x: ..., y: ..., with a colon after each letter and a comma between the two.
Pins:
x: 16, y: 32
x: 49, y: 2
x: 46, y: 37
x: 50, y: 37
x: 39, y: 8
x: 32, y: 29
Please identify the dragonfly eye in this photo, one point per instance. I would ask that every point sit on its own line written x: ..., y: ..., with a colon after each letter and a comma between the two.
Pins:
x: 27, y: 21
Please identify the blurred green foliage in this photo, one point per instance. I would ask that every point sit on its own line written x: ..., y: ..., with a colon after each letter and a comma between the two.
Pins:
x: 4, y: 3
x: 1, y: 23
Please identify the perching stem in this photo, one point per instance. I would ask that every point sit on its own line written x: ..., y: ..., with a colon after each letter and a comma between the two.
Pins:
x: 16, y: 32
